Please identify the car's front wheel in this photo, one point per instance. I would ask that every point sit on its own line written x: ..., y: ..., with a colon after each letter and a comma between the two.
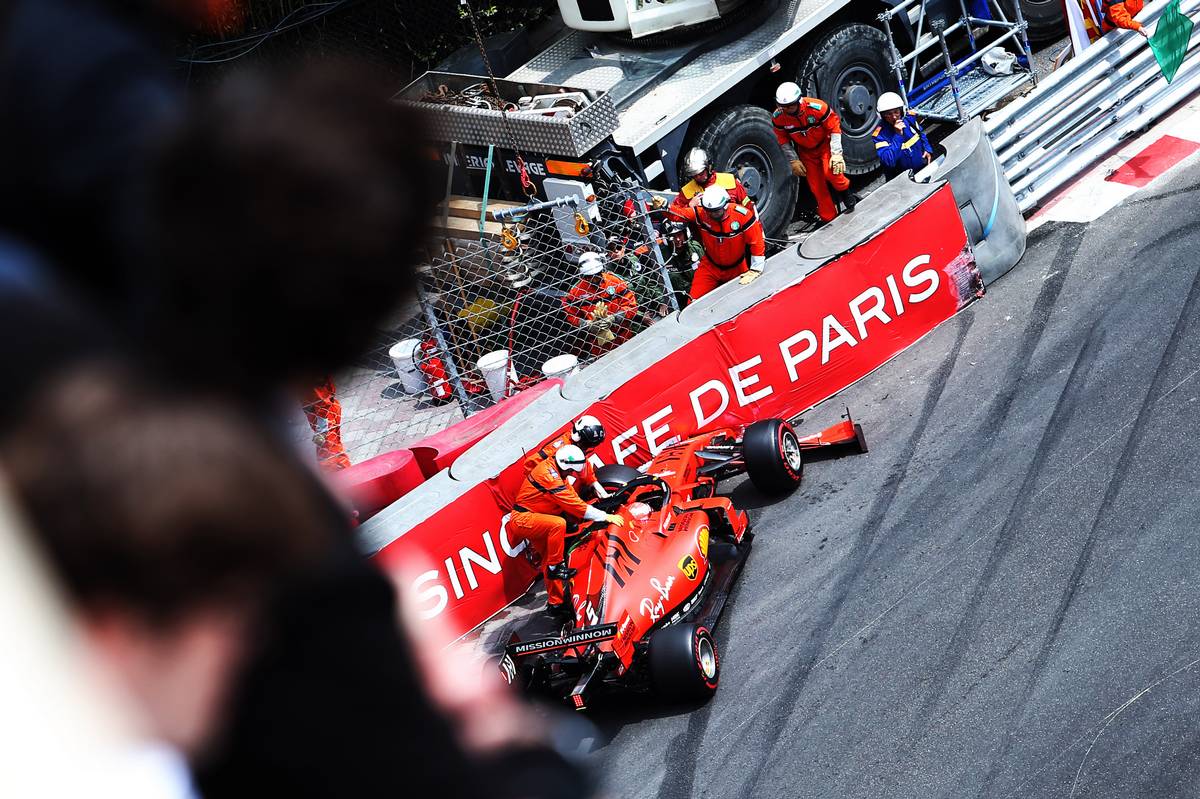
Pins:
x: 771, y: 451
x: 684, y: 663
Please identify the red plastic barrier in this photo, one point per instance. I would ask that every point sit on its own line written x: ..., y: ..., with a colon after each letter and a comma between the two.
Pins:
x: 439, y: 450
x: 778, y: 358
x: 372, y: 485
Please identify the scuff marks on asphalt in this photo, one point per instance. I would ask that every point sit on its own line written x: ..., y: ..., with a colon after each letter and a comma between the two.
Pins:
x: 770, y: 718
x: 1155, y: 392
x: 994, y: 420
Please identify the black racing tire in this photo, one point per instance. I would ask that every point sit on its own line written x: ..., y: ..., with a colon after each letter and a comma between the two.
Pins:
x: 616, y: 475
x: 849, y: 67
x: 1045, y: 17
x: 772, y: 455
x: 684, y: 663
x: 741, y: 140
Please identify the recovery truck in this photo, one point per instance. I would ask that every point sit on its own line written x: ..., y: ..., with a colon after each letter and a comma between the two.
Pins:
x: 634, y: 84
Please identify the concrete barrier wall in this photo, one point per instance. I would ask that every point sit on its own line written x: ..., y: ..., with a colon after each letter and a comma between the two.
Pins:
x: 994, y: 223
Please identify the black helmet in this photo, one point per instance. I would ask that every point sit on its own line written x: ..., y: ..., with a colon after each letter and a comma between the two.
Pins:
x: 587, y: 432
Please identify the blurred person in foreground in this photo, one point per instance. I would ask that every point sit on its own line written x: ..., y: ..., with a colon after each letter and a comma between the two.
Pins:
x: 288, y: 212
x: 170, y: 524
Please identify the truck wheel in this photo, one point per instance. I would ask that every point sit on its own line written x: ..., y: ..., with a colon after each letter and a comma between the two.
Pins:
x: 741, y: 140
x: 772, y: 455
x: 1045, y: 18
x: 684, y: 663
x: 849, y: 68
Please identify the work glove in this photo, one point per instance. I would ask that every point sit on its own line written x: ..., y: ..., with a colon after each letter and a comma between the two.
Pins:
x: 749, y: 277
x: 1144, y: 33
x: 613, y: 518
x: 837, y: 164
x: 798, y: 168
x: 658, y: 202
x: 601, y: 491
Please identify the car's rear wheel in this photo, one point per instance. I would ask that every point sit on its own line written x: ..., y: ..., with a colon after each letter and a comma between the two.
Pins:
x: 684, y: 663
x: 772, y: 454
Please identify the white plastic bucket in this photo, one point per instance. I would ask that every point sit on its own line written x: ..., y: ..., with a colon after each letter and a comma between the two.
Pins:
x: 560, y: 366
x: 404, y: 356
x: 496, y: 372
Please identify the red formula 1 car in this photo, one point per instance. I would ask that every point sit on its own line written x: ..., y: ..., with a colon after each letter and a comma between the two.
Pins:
x: 647, y: 595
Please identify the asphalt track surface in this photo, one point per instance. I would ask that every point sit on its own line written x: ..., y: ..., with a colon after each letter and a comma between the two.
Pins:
x: 1000, y: 599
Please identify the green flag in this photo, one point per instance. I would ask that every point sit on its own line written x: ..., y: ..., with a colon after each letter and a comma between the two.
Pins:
x: 1170, y: 40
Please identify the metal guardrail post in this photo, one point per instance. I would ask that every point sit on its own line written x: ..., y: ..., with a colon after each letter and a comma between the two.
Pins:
x: 643, y: 196
x: 897, y: 59
x: 465, y: 403
x: 1023, y: 31
x: 951, y: 72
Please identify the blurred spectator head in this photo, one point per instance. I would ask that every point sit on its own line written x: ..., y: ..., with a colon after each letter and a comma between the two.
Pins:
x: 288, y: 212
x: 169, y: 523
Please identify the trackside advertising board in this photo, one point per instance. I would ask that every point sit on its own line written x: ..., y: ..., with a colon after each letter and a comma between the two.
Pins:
x: 777, y: 359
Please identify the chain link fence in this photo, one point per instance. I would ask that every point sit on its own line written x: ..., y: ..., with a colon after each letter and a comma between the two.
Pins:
x: 498, y: 314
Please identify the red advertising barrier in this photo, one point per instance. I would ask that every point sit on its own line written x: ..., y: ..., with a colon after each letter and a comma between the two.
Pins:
x: 776, y: 359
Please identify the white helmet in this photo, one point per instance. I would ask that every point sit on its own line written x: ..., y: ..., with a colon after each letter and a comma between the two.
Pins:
x: 695, y: 162
x: 587, y: 432
x: 787, y: 93
x: 889, y: 101
x: 570, y: 458
x: 714, y: 197
x: 591, y: 263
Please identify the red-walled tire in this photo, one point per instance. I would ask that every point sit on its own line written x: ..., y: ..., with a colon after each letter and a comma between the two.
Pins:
x: 772, y: 454
x: 684, y: 662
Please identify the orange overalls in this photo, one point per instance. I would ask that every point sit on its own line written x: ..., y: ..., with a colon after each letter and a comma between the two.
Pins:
x: 546, y: 452
x: 728, y: 244
x: 581, y: 303
x: 681, y: 207
x: 809, y: 131
x: 538, y: 515
x: 324, y: 414
x: 1121, y: 15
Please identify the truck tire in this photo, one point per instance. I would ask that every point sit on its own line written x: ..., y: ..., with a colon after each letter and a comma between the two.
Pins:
x: 1045, y: 18
x: 741, y: 139
x: 772, y: 455
x: 684, y: 663
x: 849, y: 68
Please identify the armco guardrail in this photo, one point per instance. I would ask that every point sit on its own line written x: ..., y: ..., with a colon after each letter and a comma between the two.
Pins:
x: 1086, y: 108
x: 801, y: 333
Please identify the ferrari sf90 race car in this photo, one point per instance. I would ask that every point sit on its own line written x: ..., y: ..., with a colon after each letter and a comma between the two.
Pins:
x: 647, y: 594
